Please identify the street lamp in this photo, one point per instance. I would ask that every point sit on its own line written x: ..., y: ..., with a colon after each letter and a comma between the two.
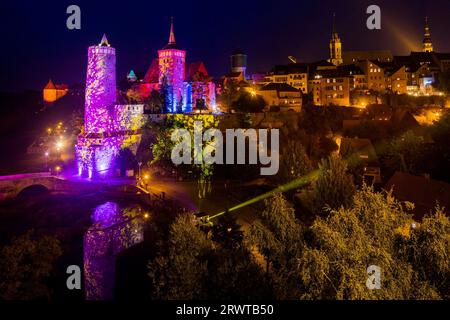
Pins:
x: 146, y: 177
x: 46, y: 160
x: 58, y: 169
x: 139, y: 172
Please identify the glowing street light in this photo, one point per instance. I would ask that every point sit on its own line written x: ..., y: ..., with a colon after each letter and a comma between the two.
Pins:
x: 46, y: 154
x: 57, y: 169
x: 59, y: 145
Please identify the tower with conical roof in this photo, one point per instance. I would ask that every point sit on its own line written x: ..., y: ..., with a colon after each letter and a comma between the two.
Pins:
x: 100, y: 86
x: 427, y: 44
x: 98, y: 143
x: 172, y: 62
x: 335, y: 46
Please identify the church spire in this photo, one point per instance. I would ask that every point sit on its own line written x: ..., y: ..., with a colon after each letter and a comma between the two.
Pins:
x: 335, y: 45
x: 172, y: 34
x: 334, y: 24
x: 427, y: 44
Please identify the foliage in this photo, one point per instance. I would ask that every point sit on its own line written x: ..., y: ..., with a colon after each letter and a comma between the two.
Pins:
x: 197, y: 267
x: 248, y: 103
x: 375, y: 230
x: 229, y: 94
x: 294, y: 162
x: 26, y: 264
x: 180, y: 274
x: 125, y: 160
x: 334, y: 186
x: 405, y: 153
x: 279, y: 240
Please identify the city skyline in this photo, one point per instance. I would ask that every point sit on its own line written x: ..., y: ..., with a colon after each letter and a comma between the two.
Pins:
x: 212, y: 44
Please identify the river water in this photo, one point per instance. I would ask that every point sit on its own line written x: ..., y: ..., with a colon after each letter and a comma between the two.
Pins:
x: 93, y: 229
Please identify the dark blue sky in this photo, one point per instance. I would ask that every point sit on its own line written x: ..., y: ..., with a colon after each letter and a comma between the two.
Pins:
x: 36, y: 45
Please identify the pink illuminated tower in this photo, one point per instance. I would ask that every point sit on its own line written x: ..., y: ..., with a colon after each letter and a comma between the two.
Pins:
x: 172, y: 71
x: 99, y: 143
x: 100, y: 87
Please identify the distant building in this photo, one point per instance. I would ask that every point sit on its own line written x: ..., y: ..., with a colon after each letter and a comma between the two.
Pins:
x: 350, y: 57
x: 375, y: 78
x: 331, y: 88
x: 293, y: 74
x: 281, y: 95
x: 396, y: 78
x: 53, y: 92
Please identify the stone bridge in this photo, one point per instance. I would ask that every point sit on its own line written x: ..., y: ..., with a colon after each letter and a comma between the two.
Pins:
x: 11, y: 186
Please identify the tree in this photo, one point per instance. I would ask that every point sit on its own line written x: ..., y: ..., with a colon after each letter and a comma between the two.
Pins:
x: 26, y: 264
x: 249, y: 103
x: 405, y: 153
x: 278, y: 238
x: 181, y: 273
x: 229, y: 95
x: 125, y: 160
x: 155, y: 102
x: 374, y: 230
x: 430, y: 251
x: 334, y: 186
x: 294, y: 162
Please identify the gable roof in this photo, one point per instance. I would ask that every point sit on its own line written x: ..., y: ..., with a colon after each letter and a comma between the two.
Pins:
x: 197, y: 69
x: 421, y: 191
x: 284, y: 87
x: 152, y: 74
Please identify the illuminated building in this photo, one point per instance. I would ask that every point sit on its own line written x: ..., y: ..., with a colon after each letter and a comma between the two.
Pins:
x: 375, y: 77
x: 172, y: 62
x: 427, y: 44
x: 396, y: 78
x: 331, y: 87
x: 167, y: 74
x: 294, y: 74
x: 53, y: 92
x: 379, y: 56
x: 281, y: 95
x: 335, y: 46
x: 107, y: 126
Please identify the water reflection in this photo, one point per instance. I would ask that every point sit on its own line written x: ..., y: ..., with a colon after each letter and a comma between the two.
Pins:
x: 113, y: 230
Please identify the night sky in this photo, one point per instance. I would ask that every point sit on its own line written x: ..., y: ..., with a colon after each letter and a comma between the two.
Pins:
x: 36, y: 45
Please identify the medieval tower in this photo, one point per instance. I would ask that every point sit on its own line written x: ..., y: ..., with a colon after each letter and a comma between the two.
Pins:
x: 335, y: 46
x: 172, y: 71
x: 427, y: 44
x: 100, y: 87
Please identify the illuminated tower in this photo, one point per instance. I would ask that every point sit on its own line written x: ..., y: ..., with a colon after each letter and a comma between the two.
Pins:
x: 100, y: 87
x: 172, y: 72
x: 335, y: 46
x: 427, y: 44
x: 99, y: 143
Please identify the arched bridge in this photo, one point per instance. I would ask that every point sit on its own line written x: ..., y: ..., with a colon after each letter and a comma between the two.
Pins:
x: 12, y: 185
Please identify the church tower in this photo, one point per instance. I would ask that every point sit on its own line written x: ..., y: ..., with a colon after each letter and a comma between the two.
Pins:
x: 172, y: 72
x: 427, y: 44
x: 335, y: 46
x: 100, y: 86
